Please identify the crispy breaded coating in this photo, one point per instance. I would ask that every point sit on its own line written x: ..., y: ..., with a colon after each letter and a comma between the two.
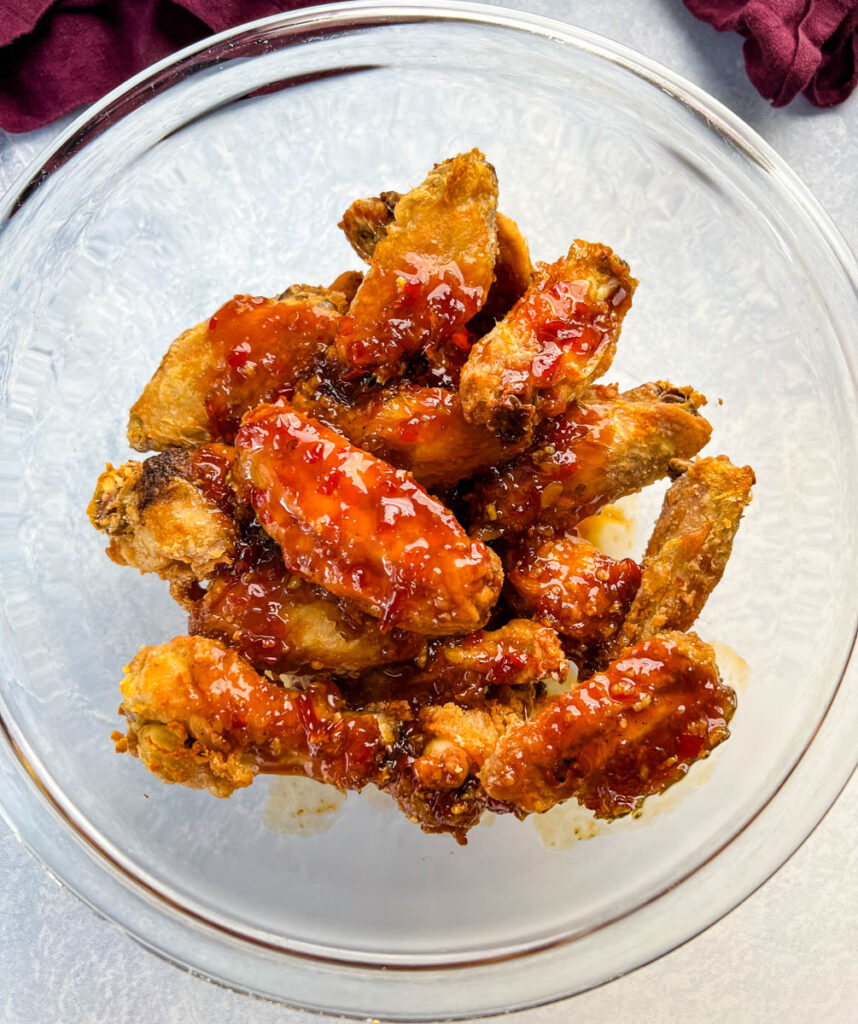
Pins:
x: 361, y: 529
x: 276, y: 620
x: 625, y: 734
x: 201, y: 717
x: 569, y: 584
x: 605, y: 445
x: 250, y: 351
x: 430, y: 273
x: 558, y: 339
x: 366, y: 221
x: 173, y: 514
x: 689, y: 547
x: 420, y: 429
x: 467, y: 669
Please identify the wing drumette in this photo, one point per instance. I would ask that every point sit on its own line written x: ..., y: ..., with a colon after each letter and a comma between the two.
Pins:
x: 603, y: 447
x: 278, y: 621
x: 430, y: 273
x: 200, y: 716
x: 553, y: 343
x: 626, y: 733
x: 172, y: 514
x: 250, y: 351
x: 361, y: 529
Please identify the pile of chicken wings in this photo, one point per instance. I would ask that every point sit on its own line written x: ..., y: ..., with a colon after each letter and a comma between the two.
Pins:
x: 366, y: 498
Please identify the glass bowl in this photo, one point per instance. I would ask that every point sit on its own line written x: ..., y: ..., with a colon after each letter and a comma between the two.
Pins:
x: 226, y: 168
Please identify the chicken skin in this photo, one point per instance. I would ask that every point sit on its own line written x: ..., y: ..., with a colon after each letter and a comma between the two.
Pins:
x: 276, y: 620
x: 252, y: 350
x: 689, y: 547
x: 464, y: 670
x: 569, y: 584
x: 419, y: 429
x: 626, y: 733
x: 352, y: 524
x: 173, y: 514
x: 430, y: 273
x: 605, y: 446
x: 558, y: 339
x: 366, y: 221
x: 200, y: 716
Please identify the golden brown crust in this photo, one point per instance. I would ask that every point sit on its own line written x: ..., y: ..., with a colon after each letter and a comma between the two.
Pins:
x: 277, y: 621
x: 250, y: 351
x: 201, y: 717
x: 689, y: 547
x: 420, y: 429
x: 558, y: 339
x: 604, y: 446
x: 623, y: 735
x: 159, y: 519
x: 430, y: 272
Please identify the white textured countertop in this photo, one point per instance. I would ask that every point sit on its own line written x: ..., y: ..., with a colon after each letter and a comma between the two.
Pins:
x: 788, y: 954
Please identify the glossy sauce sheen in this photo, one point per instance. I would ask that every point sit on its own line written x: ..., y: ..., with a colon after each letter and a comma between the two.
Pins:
x: 308, y: 732
x: 209, y: 466
x: 569, y: 584
x: 414, y: 305
x: 261, y: 348
x: 359, y: 528
x: 420, y: 429
x: 625, y: 734
x: 276, y: 620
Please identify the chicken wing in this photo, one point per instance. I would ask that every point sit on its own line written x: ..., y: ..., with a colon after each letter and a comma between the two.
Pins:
x: 366, y: 221
x: 625, y: 734
x: 278, y: 621
x: 558, y: 339
x: 463, y: 670
x: 200, y: 716
x: 689, y: 547
x: 418, y: 429
x: 252, y: 350
x: 173, y: 514
x: 603, y: 447
x: 569, y: 584
x: 361, y: 529
x: 430, y: 273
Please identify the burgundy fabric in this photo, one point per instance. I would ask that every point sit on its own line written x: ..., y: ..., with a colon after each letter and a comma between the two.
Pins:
x: 58, y: 54
x: 792, y: 46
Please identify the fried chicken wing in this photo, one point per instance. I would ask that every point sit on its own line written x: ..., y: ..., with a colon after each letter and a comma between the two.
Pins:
x: 173, y: 514
x: 625, y: 734
x: 432, y: 270
x: 464, y: 670
x: 200, y: 716
x: 276, y: 620
x: 252, y: 350
x: 567, y: 583
x: 558, y: 339
x: 361, y: 529
x: 418, y: 429
x: 689, y: 547
x: 603, y: 447
x: 366, y: 221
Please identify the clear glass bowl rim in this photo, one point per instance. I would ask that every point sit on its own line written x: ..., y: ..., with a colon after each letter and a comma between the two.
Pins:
x: 820, y: 772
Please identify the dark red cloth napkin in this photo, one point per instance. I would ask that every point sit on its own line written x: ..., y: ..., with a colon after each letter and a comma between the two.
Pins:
x: 58, y: 54
x: 793, y: 46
